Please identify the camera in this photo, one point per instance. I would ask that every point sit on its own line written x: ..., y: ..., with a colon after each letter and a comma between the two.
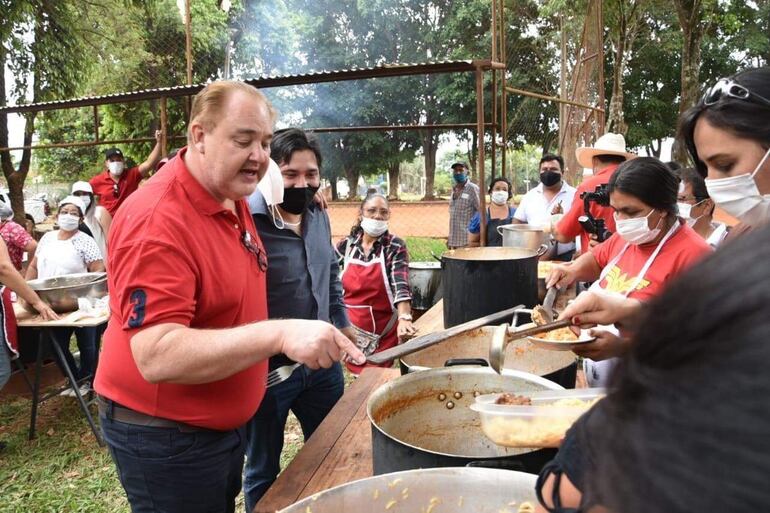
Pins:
x: 591, y: 224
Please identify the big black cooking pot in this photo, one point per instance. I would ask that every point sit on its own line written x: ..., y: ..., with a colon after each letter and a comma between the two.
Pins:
x: 481, y: 281
x: 424, y: 420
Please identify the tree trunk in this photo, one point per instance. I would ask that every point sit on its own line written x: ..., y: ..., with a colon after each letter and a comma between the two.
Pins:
x: 333, y: 185
x: 393, y: 171
x: 690, y: 14
x: 429, y: 147
x: 352, y: 174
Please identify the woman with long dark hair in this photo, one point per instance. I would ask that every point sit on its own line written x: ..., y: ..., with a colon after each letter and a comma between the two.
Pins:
x: 651, y: 246
x: 375, y: 280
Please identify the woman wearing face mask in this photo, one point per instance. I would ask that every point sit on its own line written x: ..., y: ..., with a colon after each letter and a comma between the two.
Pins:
x: 96, y: 219
x: 375, y: 280
x: 697, y: 208
x: 499, y: 213
x: 70, y: 251
x: 650, y: 246
x: 728, y: 136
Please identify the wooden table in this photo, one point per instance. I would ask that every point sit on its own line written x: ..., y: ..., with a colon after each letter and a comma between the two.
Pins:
x: 339, y: 451
x: 27, y: 320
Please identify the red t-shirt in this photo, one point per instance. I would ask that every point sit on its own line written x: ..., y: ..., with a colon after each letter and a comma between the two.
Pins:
x: 176, y: 256
x: 569, y: 225
x: 110, y: 196
x: 682, y: 250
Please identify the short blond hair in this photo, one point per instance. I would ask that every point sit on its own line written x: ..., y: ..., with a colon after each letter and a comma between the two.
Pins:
x: 209, y: 104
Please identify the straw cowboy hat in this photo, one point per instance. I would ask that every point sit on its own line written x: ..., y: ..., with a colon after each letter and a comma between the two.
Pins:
x: 608, y: 144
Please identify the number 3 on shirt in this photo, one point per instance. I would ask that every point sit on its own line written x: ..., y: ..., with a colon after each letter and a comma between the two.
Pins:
x: 138, y: 300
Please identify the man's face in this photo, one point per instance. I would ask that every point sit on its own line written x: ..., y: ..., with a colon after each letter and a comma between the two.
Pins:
x: 236, y: 151
x: 550, y: 165
x: 301, y: 170
x: 460, y: 170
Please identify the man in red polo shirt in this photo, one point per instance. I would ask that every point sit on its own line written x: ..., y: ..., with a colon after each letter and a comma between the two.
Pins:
x: 116, y: 183
x: 185, y: 353
x: 604, y: 158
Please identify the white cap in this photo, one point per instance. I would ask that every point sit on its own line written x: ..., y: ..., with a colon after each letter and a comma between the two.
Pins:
x: 608, y: 144
x: 82, y: 187
x: 74, y: 200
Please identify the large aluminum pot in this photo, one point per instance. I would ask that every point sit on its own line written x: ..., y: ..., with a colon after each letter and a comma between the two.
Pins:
x: 557, y: 366
x: 460, y: 490
x: 424, y: 420
x: 425, y: 282
x: 62, y: 292
x: 526, y: 236
x: 482, y: 281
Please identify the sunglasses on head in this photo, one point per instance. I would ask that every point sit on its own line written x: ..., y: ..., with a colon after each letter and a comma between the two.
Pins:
x: 255, y: 250
x: 726, y: 88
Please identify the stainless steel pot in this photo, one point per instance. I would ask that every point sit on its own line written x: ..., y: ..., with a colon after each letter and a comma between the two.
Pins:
x: 424, y: 420
x: 520, y: 355
x: 523, y: 236
x: 62, y: 292
x: 425, y: 282
x: 460, y: 490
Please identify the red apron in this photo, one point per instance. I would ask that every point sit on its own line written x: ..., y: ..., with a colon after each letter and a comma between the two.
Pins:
x: 369, y: 301
x: 8, y: 322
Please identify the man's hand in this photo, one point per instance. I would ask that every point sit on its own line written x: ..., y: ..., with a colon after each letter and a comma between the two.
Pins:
x: 158, y: 135
x: 590, y: 309
x: 317, y: 344
x: 607, y: 345
x: 557, y: 209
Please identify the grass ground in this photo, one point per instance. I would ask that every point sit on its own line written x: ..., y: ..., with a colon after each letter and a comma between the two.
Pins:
x: 420, y: 248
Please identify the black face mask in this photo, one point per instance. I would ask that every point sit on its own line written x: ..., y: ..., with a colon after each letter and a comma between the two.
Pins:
x: 550, y: 178
x: 297, y: 199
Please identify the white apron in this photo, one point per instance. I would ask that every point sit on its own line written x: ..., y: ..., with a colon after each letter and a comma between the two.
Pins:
x: 58, y: 258
x: 598, y: 373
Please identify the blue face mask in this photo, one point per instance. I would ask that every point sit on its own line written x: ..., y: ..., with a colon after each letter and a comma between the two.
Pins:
x: 460, y: 177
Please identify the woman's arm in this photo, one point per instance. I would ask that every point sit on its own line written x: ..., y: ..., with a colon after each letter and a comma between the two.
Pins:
x: 473, y: 240
x: 11, y: 278
x: 585, y: 268
x: 97, y: 266
x: 32, y: 269
x: 406, y: 329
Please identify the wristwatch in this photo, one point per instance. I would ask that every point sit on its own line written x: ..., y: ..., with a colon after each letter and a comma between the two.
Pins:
x: 405, y: 317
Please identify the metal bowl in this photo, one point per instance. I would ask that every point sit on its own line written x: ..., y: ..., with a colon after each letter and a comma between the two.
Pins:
x: 62, y: 292
x: 458, y: 489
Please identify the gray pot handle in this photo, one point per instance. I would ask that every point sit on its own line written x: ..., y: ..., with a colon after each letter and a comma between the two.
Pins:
x: 499, y: 230
x: 542, y: 250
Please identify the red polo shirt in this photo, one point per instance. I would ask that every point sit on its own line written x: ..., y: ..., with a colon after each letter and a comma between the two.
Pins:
x: 176, y: 256
x: 110, y: 197
x: 569, y: 225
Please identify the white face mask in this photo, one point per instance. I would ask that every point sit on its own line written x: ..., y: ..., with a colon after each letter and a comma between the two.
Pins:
x: 86, y: 201
x: 116, y: 168
x: 271, y: 188
x: 499, y: 197
x: 636, y: 230
x: 685, y: 211
x: 68, y: 222
x: 373, y: 227
x: 740, y: 197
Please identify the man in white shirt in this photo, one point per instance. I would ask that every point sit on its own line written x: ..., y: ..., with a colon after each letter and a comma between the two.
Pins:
x: 552, y: 197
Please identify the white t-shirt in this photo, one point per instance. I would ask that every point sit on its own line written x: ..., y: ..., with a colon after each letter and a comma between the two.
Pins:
x: 60, y: 257
x: 535, y: 209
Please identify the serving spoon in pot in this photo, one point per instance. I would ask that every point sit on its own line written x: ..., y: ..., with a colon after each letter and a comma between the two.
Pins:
x: 504, y: 334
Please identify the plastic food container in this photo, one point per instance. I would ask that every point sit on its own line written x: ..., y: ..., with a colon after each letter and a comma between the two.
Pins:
x: 543, y: 424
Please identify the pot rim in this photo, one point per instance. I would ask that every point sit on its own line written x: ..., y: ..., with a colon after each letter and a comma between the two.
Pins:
x: 415, y: 376
x: 516, y: 227
x: 504, y: 254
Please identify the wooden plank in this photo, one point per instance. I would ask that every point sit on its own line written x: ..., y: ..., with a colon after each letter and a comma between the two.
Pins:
x: 431, y: 339
x: 292, y: 482
x: 432, y: 320
x: 351, y: 457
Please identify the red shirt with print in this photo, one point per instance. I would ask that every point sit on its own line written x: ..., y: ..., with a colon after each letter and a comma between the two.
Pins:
x: 682, y: 250
x: 112, y: 194
x: 569, y: 225
x: 177, y: 256
x: 16, y: 239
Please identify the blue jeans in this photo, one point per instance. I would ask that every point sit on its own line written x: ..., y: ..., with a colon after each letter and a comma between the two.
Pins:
x: 165, y: 470
x: 88, y: 344
x: 310, y: 395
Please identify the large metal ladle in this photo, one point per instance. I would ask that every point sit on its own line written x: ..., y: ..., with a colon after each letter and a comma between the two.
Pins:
x: 504, y: 334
